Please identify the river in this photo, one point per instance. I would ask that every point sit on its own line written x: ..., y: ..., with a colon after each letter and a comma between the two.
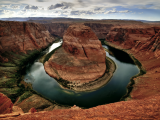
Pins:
x: 109, y: 93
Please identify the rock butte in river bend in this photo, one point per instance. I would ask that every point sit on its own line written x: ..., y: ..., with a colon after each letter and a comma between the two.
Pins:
x: 81, y: 58
x: 144, y: 99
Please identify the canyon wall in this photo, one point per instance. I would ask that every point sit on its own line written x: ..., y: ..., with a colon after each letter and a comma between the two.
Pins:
x: 142, y: 42
x: 59, y: 29
x: 20, y: 43
x: 22, y: 37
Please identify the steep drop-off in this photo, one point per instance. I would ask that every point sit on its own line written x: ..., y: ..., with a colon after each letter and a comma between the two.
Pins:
x: 143, y: 43
x: 81, y: 58
x: 20, y: 43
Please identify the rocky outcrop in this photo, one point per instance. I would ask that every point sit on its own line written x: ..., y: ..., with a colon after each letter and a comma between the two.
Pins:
x: 147, y: 108
x: 5, y: 104
x: 36, y: 103
x: 81, y: 58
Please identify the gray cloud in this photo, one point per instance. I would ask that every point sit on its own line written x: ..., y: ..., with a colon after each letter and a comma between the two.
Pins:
x: 97, y: 11
x: 63, y: 5
x: 81, y: 12
x: 31, y: 7
x: 1, y: 11
x: 5, y: 6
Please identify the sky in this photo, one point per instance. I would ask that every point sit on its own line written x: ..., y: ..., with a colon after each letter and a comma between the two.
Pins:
x: 88, y: 9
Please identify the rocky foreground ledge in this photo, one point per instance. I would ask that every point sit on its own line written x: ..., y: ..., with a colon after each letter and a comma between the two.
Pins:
x: 80, y: 61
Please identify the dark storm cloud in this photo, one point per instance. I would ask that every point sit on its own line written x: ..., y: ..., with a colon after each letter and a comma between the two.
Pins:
x: 31, y: 7
x: 63, y: 5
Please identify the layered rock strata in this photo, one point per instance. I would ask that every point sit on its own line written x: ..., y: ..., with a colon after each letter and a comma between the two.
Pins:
x: 81, y: 58
x: 144, y: 44
x: 23, y: 36
x: 144, y: 100
x: 20, y: 42
x: 5, y: 104
x: 59, y: 29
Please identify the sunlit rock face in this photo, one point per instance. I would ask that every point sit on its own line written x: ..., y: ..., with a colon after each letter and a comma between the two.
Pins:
x: 80, y: 59
x: 5, y: 104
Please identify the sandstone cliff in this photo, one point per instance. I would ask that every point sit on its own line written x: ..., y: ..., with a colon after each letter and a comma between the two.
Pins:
x: 20, y: 43
x: 5, y: 104
x: 81, y: 58
x: 59, y: 29
x: 143, y: 43
x: 22, y: 36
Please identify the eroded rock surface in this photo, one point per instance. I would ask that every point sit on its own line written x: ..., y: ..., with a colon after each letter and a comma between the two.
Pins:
x: 5, y: 104
x: 143, y: 43
x: 19, y: 42
x: 81, y: 58
x: 23, y: 36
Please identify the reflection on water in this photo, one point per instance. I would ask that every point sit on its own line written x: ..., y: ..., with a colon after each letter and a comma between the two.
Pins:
x: 55, y: 45
x: 111, y: 92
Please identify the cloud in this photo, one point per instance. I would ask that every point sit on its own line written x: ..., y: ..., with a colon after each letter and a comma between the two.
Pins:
x: 8, y: 12
x: 31, y: 7
x: 4, y: 6
x: 63, y: 5
x: 115, y: 11
x: 82, y: 12
x: 15, y: 7
x: 1, y: 11
x: 42, y: 0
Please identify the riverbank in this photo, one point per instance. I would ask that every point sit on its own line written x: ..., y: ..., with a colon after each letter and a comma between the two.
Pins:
x: 132, y: 82
x: 14, y: 87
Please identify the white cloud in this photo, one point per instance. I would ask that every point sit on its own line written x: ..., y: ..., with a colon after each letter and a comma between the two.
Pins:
x: 15, y: 7
x: 115, y: 11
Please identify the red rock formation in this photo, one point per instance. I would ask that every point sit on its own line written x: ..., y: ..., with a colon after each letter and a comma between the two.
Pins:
x: 32, y: 110
x: 100, y: 29
x: 5, y: 104
x: 143, y: 44
x: 81, y: 58
x: 22, y: 36
x: 59, y: 29
x: 148, y: 108
x: 145, y: 98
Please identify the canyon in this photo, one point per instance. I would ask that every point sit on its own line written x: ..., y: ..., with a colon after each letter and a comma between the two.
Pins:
x: 141, y: 41
x: 81, y: 59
